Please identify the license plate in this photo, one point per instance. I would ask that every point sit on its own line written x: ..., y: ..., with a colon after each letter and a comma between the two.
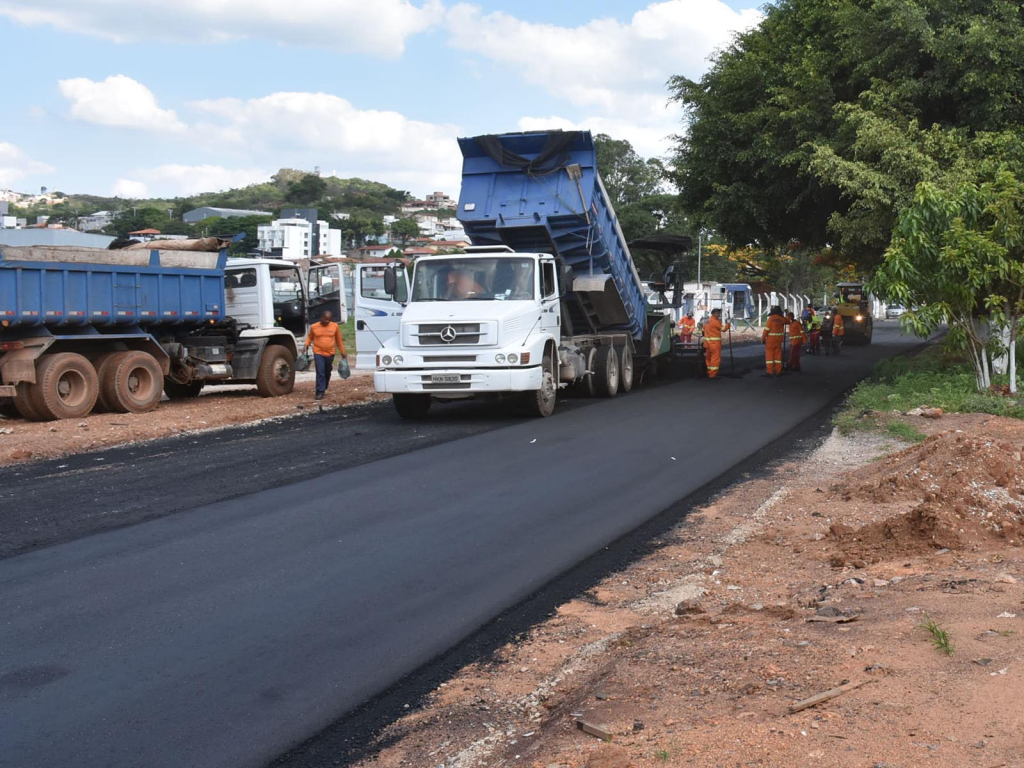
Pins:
x: 445, y: 378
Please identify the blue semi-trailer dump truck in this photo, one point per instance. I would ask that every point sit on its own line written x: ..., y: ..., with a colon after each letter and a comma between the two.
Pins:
x: 85, y: 328
x: 548, y: 296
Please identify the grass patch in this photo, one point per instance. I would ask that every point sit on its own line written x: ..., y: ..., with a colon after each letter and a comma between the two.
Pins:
x: 940, y: 637
x: 348, y: 335
x: 935, y: 378
x: 661, y: 755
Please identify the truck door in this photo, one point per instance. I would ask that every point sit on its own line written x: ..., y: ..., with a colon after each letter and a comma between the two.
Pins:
x: 326, y: 292
x: 378, y: 316
x: 550, y: 319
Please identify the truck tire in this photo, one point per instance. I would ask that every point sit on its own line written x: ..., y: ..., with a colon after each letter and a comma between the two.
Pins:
x: 130, y: 382
x: 589, y: 384
x: 607, y: 372
x: 175, y: 390
x: 541, y: 402
x: 411, y: 406
x: 22, y: 403
x: 276, y: 375
x: 626, y: 369
x: 66, y: 387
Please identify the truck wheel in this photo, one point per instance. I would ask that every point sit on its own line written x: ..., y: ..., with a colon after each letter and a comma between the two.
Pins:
x: 130, y: 382
x: 66, y: 387
x: 541, y: 402
x: 626, y: 369
x: 23, y: 405
x: 175, y: 390
x: 607, y: 372
x: 276, y: 376
x: 411, y: 406
x: 589, y: 383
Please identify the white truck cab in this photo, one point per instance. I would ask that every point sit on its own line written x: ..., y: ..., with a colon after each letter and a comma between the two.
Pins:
x: 484, y: 322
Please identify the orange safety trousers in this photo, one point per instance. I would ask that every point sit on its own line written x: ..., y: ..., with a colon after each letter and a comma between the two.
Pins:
x: 713, y: 357
x: 773, y: 355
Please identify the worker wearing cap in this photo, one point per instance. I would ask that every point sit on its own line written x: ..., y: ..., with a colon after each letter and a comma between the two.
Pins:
x: 772, y: 337
x: 796, y: 342
x: 713, y: 330
x: 686, y: 328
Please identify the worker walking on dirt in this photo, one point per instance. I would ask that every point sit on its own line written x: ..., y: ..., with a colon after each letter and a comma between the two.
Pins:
x: 713, y: 330
x: 686, y: 328
x: 796, y: 342
x: 773, y: 336
x: 326, y: 338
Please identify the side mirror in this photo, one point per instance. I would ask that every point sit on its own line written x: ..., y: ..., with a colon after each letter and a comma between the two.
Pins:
x: 390, y: 282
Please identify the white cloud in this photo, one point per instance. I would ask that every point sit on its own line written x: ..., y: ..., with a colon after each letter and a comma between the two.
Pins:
x: 378, y: 27
x: 329, y: 131
x: 183, y: 180
x: 649, y: 140
x: 15, y: 165
x: 129, y: 188
x: 118, y: 101
x: 604, y: 63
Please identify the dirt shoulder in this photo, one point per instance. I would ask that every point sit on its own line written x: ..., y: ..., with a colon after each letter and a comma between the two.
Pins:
x: 217, y: 408
x: 783, y: 587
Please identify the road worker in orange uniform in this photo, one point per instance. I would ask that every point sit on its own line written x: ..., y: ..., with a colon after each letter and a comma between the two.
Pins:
x: 772, y: 337
x: 686, y: 327
x: 796, y: 342
x: 838, y: 330
x: 713, y: 331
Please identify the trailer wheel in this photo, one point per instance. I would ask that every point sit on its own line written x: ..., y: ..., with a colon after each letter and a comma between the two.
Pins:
x: 607, y: 372
x: 411, y: 406
x: 66, y: 387
x: 626, y: 369
x: 276, y: 376
x: 130, y: 382
x: 541, y: 402
x: 175, y: 390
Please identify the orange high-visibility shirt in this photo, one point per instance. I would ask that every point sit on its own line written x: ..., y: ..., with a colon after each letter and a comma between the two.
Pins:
x: 325, y: 338
x: 838, y: 327
x: 796, y: 331
x: 774, y: 329
x: 713, y: 329
x: 688, y: 324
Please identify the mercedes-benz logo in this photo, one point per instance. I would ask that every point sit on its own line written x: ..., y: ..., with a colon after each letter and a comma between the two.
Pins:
x: 448, y: 334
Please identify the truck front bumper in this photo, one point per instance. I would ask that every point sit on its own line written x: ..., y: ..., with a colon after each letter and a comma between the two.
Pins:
x: 471, y: 381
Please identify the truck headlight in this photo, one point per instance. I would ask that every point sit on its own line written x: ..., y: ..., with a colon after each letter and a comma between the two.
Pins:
x: 513, y: 359
x: 860, y: 318
x: 399, y: 359
x: 499, y: 359
x: 386, y: 360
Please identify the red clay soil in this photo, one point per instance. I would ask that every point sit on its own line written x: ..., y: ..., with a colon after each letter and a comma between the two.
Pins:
x: 26, y: 441
x: 693, y: 655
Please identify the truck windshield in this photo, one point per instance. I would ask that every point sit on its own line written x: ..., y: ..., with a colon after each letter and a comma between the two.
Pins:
x: 506, y: 278
x: 286, y: 285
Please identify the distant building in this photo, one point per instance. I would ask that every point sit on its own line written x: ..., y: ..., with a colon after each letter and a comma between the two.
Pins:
x: 297, y: 238
x: 4, y: 209
x: 144, y: 235
x: 439, y: 200
x: 53, y: 236
x: 8, y: 222
x: 94, y: 222
x: 208, y: 212
x: 374, y: 251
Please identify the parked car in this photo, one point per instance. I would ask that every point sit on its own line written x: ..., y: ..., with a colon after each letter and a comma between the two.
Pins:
x: 893, y: 311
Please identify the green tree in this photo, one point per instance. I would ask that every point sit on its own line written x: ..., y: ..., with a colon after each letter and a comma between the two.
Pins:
x: 628, y: 178
x: 818, y: 124
x: 133, y: 220
x: 404, y: 230
x: 306, y: 190
x: 243, y: 225
x: 957, y: 257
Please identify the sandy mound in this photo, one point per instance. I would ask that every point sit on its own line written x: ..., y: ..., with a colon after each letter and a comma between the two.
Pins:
x: 952, y: 491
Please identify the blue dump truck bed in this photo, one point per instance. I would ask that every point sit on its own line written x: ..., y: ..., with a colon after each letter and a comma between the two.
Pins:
x: 64, y: 290
x: 541, y: 192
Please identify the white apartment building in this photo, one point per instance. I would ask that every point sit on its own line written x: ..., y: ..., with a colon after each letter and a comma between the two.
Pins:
x: 293, y: 239
x: 95, y: 221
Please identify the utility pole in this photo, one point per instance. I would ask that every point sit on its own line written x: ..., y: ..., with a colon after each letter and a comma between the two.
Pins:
x: 700, y: 244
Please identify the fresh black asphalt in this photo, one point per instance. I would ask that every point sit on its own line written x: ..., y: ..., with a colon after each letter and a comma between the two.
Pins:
x: 260, y: 613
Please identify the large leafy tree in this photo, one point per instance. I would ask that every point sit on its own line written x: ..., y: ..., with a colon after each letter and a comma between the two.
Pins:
x: 818, y: 124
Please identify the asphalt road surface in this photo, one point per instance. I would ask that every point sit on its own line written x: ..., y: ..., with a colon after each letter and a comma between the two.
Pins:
x: 272, y: 586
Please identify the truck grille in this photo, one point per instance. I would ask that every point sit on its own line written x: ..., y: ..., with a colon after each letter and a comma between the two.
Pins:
x: 449, y: 358
x: 443, y: 334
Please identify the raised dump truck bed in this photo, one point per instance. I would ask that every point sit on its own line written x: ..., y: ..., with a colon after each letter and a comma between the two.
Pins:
x: 541, y: 192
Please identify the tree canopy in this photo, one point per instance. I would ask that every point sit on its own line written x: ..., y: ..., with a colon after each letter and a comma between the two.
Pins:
x: 818, y: 124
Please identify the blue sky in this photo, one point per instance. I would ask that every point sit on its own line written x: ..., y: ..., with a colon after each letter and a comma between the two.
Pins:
x: 145, y: 97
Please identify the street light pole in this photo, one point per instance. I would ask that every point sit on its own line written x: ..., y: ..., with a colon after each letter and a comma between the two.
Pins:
x: 700, y: 243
